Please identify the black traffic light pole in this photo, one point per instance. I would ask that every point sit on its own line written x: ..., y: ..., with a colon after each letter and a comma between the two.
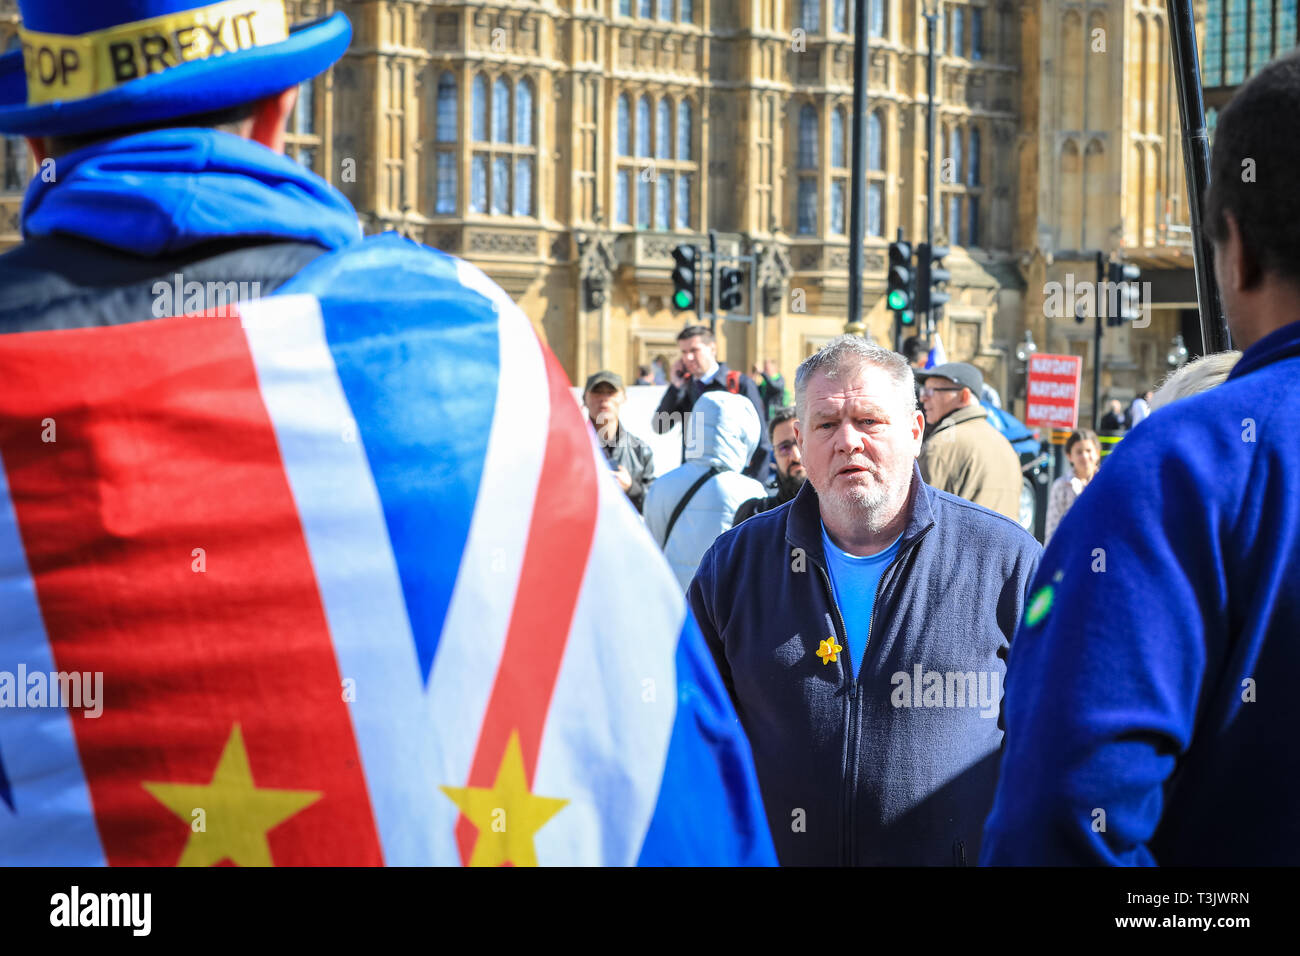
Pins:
x: 858, y: 188
x: 726, y: 290
x: 900, y: 279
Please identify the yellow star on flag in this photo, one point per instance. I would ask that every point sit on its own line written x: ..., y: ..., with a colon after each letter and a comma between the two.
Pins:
x: 507, y: 815
x: 236, y: 814
x: 828, y: 650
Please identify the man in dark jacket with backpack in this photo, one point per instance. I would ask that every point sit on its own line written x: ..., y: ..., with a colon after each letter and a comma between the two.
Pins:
x: 863, y: 630
x: 698, y: 371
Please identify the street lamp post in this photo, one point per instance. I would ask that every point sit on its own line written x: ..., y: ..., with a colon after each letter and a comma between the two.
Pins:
x: 931, y: 21
x: 858, y: 184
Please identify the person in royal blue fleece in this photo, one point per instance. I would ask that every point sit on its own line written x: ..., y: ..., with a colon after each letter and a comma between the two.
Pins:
x: 1148, y: 715
x: 862, y: 630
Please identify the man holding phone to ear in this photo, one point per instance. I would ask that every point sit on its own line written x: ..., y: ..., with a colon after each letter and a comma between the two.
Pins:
x: 696, y: 371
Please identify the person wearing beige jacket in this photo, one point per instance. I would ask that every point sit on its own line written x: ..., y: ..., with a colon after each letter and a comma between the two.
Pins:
x: 965, y: 455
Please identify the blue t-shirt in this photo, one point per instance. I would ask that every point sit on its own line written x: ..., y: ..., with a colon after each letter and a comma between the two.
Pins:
x: 854, y: 581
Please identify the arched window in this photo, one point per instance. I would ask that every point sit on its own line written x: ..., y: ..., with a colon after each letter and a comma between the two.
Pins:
x: 837, y: 139
x: 501, y: 111
x: 523, y: 205
x: 665, y: 9
x: 644, y: 9
x: 446, y: 128
x: 500, y: 185
x: 524, y: 113
x: 643, y: 126
x: 479, y: 107
x: 876, y: 27
x: 478, y: 185
x: 622, y: 198
x: 807, y: 206
x: 840, y: 15
x: 973, y: 164
x: 444, y: 183
x: 807, y: 137
x: 684, y: 130
x: 686, y: 12
x: 875, y: 209
x: 664, y: 130
x: 954, y: 144
x: 810, y: 16
x: 875, y: 142
x: 624, y: 144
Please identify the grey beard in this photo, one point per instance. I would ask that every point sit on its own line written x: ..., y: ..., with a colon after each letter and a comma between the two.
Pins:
x: 872, y: 509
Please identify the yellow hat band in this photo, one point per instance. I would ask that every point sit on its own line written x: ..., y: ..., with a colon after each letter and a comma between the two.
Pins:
x: 62, y: 68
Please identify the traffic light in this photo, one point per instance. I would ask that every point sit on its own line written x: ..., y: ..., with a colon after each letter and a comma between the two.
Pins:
x: 930, y: 274
x: 900, y: 284
x: 1124, y: 279
x: 729, y: 288
x: 685, y: 259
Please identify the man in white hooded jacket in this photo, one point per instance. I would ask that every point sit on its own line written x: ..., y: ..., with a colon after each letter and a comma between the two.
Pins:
x: 722, y: 434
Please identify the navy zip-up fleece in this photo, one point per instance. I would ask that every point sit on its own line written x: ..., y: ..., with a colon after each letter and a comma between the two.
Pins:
x: 897, y: 765
x: 1150, y: 712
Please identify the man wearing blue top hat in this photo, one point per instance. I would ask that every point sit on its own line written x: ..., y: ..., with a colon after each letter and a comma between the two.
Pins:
x: 164, y: 121
x: 359, y: 423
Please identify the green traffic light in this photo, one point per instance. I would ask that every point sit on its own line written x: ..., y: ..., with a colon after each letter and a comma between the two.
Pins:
x: 897, y: 299
x: 907, y: 318
x: 683, y: 299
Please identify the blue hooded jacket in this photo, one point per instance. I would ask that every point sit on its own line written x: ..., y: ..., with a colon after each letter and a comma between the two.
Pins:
x: 1149, y: 716
x: 896, y: 765
x: 165, y: 190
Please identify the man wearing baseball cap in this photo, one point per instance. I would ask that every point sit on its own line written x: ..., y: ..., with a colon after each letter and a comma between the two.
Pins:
x: 629, y: 457
x: 965, y: 455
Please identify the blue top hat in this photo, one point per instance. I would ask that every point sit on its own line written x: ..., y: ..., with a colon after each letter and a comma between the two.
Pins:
x: 91, y: 65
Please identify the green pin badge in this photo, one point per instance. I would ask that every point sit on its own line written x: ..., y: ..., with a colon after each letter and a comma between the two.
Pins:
x: 1041, y: 603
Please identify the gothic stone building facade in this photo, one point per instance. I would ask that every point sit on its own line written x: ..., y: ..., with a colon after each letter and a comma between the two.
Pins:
x: 567, y: 147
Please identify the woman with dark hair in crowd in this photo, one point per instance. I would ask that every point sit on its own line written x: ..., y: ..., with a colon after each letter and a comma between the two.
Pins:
x: 1084, y: 453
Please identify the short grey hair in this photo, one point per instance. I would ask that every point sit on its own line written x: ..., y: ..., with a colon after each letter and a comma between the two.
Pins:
x: 1199, y: 375
x: 847, y: 352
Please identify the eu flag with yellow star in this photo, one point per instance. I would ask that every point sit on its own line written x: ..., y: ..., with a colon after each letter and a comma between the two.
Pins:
x: 341, y: 579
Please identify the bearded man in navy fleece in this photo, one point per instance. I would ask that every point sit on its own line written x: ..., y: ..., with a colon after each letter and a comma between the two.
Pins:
x: 1151, y: 715
x: 862, y: 630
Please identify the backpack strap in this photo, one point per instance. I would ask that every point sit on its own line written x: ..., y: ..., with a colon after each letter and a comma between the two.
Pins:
x: 733, y: 382
x: 690, y: 493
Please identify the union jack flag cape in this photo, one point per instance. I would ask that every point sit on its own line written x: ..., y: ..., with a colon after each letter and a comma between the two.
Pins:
x: 359, y: 590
